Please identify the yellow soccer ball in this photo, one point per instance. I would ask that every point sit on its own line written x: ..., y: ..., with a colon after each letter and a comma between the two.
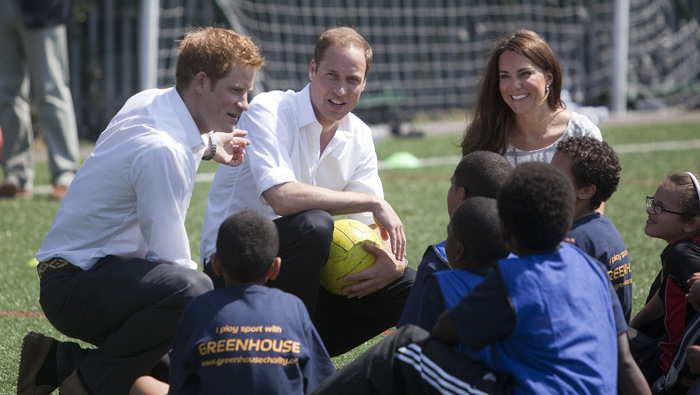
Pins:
x: 347, y: 254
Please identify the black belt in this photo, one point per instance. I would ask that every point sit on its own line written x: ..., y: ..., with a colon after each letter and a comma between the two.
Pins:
x: 53, y: 264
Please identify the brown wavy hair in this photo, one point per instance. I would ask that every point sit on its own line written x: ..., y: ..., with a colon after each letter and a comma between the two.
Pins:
x: 214, y: 51
x: 492, y: 116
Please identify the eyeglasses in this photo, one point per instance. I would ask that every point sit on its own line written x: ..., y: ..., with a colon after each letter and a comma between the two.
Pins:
x: 658, y: 209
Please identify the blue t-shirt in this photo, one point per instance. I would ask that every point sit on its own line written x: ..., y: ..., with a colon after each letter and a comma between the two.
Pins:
x: 443, y: 290
x: 251, y: 339
x: 598, y: 237
x: 434, y: 260
x: 548, y: 321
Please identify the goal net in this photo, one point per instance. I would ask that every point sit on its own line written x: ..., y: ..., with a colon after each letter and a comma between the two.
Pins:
x: 429, y: 54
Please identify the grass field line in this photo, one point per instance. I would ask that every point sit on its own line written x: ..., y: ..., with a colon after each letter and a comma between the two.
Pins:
x: 23, y: 314
x: 638, y: 148
x: 634, y: 148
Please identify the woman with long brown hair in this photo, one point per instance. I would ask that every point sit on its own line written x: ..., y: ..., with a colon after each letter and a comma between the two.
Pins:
x: 519, y: 112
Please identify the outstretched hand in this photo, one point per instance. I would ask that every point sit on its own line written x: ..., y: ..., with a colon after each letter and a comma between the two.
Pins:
x: 231, y: 148
x: 385, y: 270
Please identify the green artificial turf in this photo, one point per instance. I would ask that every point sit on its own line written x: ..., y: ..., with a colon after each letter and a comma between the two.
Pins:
x: 417, y: 195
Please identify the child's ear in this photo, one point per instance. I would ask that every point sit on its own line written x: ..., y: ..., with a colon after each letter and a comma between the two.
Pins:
x: 460, y: 251
x: 274, y: 269
x: 586, y: 192
x: 507, y: 237
x: 692, y: 225
x: 462, y: 194
x: 216, y: 265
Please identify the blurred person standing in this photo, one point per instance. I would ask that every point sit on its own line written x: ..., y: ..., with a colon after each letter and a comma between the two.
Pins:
x: 34, y: 55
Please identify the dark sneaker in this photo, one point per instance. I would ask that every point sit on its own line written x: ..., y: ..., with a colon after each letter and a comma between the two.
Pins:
x: 11, y: 191
x: 35, y: 349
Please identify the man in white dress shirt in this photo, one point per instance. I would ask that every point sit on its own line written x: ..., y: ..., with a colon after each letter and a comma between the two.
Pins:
x: 115, y: 268
x: 311, y: 158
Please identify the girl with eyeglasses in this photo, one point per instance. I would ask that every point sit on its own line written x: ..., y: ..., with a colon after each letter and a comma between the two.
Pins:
x: 673, y: 216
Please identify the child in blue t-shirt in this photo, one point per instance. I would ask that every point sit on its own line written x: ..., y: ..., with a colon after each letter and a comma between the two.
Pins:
x: 594, y: 168
x: 480, y: 173
x: 543, y: 317
x: 546, y: 313
x: 473, y: 247
x: 247, y: 338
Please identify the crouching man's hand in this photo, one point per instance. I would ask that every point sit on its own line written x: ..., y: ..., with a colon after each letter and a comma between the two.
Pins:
x: 385, y: 270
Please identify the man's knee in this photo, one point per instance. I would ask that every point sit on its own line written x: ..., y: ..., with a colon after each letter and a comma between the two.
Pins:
x: 195, y: 283
x: 313, y: 226
x: 321, y: 224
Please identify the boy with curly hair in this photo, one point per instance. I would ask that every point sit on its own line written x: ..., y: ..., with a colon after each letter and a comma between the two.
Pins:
x: 594, y: 169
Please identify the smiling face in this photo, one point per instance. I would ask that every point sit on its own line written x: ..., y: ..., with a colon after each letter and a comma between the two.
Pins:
x: 667, y: 226
x: 336, y: 83
x: 522, y: 83
x: 220, y: 105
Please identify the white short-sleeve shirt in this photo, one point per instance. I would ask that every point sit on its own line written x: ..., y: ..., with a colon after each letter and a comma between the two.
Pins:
x: 285, y: 147
x: 130, y: 197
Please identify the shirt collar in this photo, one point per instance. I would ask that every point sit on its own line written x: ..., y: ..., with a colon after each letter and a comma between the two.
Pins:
x: 194, y: 138
x: 306, y: 114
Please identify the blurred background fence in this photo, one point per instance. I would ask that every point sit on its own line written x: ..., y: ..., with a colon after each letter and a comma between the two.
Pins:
x: 429, y: 54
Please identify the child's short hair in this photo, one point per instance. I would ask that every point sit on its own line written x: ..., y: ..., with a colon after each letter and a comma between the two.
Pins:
x: 536, y: 204
x: 481, y: 173
x: 475, y: 224
x: 593, y: 162
x: 688, y: 193
x: 247, y: 244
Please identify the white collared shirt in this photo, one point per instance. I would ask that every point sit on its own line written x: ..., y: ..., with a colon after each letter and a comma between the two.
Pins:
x: 285, y: 147
x: 130, y: 196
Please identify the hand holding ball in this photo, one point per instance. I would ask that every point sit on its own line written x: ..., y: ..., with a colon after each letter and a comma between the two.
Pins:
x: 347, y: 254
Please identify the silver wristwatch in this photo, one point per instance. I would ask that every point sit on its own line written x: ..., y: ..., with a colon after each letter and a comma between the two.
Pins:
x: 212, y: 141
